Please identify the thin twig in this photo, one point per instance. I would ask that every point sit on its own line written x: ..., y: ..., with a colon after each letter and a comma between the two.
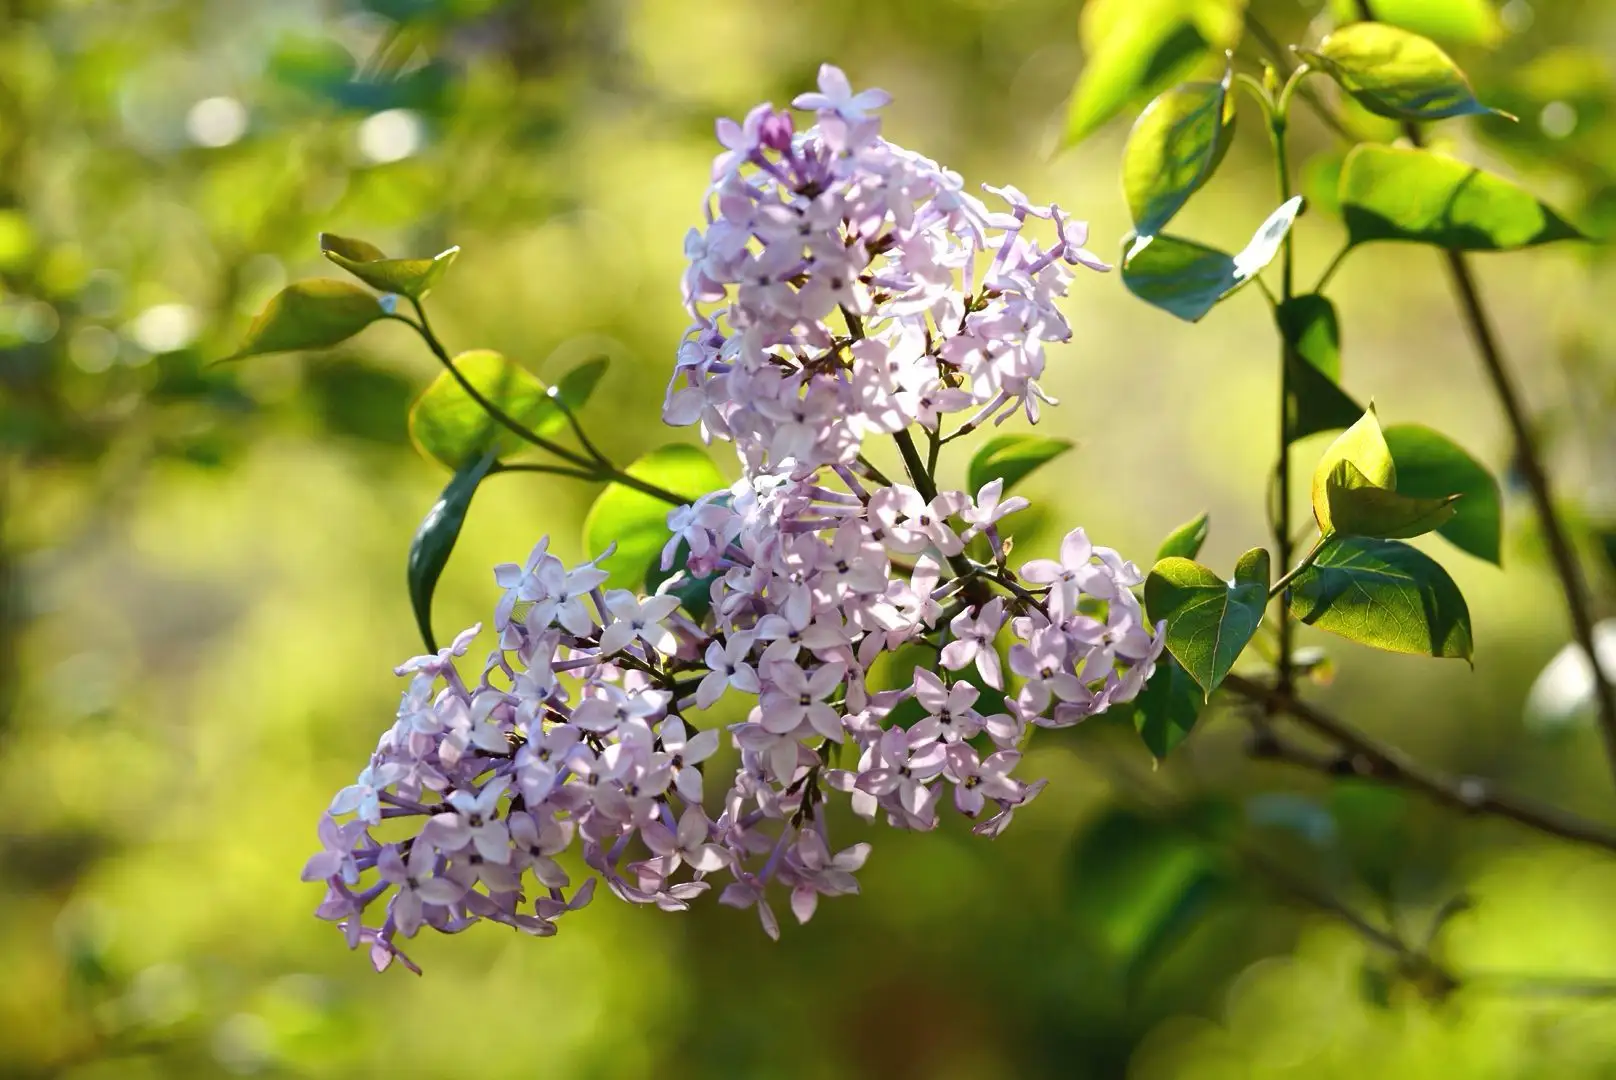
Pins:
x: 1282, y: 64
x: 1531, y: 466
x: 1364, y: 757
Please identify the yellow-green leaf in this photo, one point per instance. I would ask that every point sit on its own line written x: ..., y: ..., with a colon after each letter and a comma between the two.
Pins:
x: 1188, y: 279
x: 1385, y: 594
x: 1315, y: 400
x: 449, y: 426
x: 1395, y: 73
x: 638, y: 523
x: 435, y: 540
x: 1418, y: 195
x: 1364, y: 446
x: 1209, y: 620
x: 1428, y: 465
x: 1172, y: 150
x: 314, y: 314
x: 1360, y: 508
x: 1011, y: 458
x: 413, y: 278
x: 1467, y: 22
x: 1185, y: 541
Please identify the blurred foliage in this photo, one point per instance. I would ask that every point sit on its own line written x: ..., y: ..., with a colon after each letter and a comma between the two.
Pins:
x: 202, y: 567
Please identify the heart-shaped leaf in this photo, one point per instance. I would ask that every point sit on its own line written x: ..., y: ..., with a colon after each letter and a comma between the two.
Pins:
x: 1389, y: 193
x: 1185, y: 541
x: 1386, y: 594
x: 1429, y: 465
x: 1316, y: 401
x: 1187, y: 279
x: 1173, y: 149
x: 1360, y: 508
x: 638, y: 523
x: 1167, y: 707
x: 435, y: 540
x: 1392, y: 72
x: 449, y: 426
x: 1209, y: 620
x: 1012, y: 458
x: 413, y: 278
x: 315, y: 314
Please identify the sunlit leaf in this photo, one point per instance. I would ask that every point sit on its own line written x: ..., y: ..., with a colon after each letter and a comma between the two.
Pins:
x: 1389, y: 193
x: 407, y: 277
x: 1185, y: 541
x: 1173, y: 149
x: 1167, y: 707
x: 1364, y: 446
x: 1464, y: 22
x: 1187, y: 279
x: 1430, y: 465
x: 1395, y: 73
x: 315, y: 314
x: 1012, y: 458
x: 1209, y: 620
x: 1134, y: 49
x: 449, y: 426
x: 435, y: 540
x: 1361, y: 508
x: 1385, y: 594
x: 638, y: 523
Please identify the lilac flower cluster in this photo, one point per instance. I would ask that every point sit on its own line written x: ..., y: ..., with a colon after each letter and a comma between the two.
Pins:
x: 836, y: 296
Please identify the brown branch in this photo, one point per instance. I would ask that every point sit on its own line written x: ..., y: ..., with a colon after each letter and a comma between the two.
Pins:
x: 1363, y: 757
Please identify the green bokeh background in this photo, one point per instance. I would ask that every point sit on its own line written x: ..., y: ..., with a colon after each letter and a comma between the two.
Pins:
x: 203, y: 566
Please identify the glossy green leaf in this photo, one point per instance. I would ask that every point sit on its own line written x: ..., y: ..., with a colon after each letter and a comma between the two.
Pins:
x: 1185, y: 541
x: 1012, y: 458
x: 1360, y: 508
x: 1365, y: 448
x: 1316, y: 401
x: 638, y: 523
x: 1429, y: 465
x: 1395, y: 73
x: 1173, y: 149
x: 1464, y: 22
x: 1389, y: 193
x: 1187, y: 279
x: 435, y: 539
x: 315, y: 314
x: 1167, y: 707
x: 1134, y: 49
x: 450, y: 427
x: 413, y: 278
x: 1386, y: 594
x: 1209, y: 620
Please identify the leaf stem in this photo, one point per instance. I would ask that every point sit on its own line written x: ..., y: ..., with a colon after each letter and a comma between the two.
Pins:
x: 1329, y: 271
x: 1306, y: 561
x: 597, y: 470
x: 1530, y: 464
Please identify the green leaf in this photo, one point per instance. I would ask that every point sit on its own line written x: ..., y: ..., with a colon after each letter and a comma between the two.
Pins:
x: 1187, y: 279
x: 1466, y: 22
x: 1167, y: 707
x: 315, y: 314
x: 435, y: 539
x: 1429, y: 465
x: 1185, y: 541
x: 1394, y: 73
x: 1173, y: 149
x: 1417, y: 195
x: 448, y: 425
x: 1386, y: 594
x: 1209, y: 620
x: 1316, y: 401
x: 413, y: 278
x: 1364, y: 446
x: 1134, y: 49
x: 637, y: 522
x: 1012, y: 458
x: 1360, y: 508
